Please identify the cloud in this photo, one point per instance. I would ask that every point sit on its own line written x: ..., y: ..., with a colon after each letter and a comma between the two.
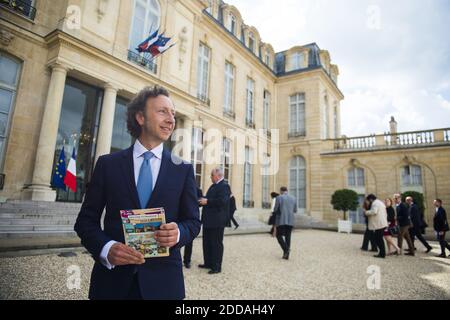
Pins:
x: 394, y: 56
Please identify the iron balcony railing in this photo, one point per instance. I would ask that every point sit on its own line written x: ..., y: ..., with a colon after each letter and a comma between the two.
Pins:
x: 142, y: 61
x: 22, y: 7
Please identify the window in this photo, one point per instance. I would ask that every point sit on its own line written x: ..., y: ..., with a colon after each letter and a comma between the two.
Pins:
x: 297, y: 60
x: 268, y: 57
x: 297, y: 115
x: 325, y: 123
x: 23, y: 7
x: 355, y: 177
x: 297, y: 180
x: 336, y: 124
x: 209, y: 9
x: 197, y: 154
x: 251, y: 42
x: 9, y: 78
x: 226, y: 159
x: 357, y: 216
x: 121, y: 139
x: 412, y: 175
x: 266, y: 203
x: 266, y: 110
x: 229, y: 88
x: 146, y: 20
x: 232, y: 23
x: 203, y: 73
x: 248, y: 179
x: 250, y: 103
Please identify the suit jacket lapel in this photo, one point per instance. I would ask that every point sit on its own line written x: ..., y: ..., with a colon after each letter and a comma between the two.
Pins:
x: 128, y: 172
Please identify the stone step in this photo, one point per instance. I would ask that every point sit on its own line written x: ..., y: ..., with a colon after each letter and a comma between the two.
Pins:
x: 39, y: 210
x: 67, y: 216
x: 35, y: 234
x: 37, y: 221
x: 28, y: 228
x: 40, y: 204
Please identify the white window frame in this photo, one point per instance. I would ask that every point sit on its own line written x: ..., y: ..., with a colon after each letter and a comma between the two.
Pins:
x: 297, y: 188
x: 147, y: 24
x: 248, y: 175
x: 297, y: 114
x: 226, y: 158
x: 13, y: 90
x: 203, y: 71
x: 325, y: 116
x: 232, y: 23
x: 229, y: 88
x: 251, y: 42
x: 265, y: 188
x: 266, y: 110
x: 197, y: 156
x: 297, y: 60
x: 356, y: 177
x: 250, y: 105
x: 410, y: 177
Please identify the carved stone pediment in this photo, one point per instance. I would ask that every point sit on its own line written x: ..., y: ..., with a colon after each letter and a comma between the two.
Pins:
x: 6, y: 37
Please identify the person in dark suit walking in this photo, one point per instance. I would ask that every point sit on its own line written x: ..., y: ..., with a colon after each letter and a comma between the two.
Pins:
x: 188, y: 247
x: 215, y: 214
x: 440, y: 224
x: 285, y: 220
x: 417, y: 223
x: 232, y: 211
x: 404, y: 223
x: 369, y: 235
x: 143, y: 176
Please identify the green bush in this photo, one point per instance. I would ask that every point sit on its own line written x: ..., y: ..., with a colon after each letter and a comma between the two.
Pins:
x: 345, y: 200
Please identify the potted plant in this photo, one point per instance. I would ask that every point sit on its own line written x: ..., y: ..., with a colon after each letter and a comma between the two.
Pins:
x: 345, y: 200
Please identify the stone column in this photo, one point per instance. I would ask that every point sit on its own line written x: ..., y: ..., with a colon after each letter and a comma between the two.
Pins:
x: 40, y: 189
x: 105, y: 130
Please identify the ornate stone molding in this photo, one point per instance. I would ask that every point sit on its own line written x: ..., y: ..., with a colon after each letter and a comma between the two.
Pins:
x: 102, y: 7
x: 6, y: 37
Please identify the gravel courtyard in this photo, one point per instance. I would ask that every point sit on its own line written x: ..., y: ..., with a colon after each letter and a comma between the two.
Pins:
x: 323, y: 265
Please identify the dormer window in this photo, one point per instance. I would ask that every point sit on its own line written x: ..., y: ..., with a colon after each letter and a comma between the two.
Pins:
x: 251, y: 41
x: 267, y: 59
x: 297, y: 60
x: 232, y: 23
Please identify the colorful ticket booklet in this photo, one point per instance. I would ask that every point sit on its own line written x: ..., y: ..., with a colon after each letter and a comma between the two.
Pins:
x: 139, y: 228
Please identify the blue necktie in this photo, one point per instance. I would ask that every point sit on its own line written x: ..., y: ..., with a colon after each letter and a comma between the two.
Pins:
x: 145, y: 180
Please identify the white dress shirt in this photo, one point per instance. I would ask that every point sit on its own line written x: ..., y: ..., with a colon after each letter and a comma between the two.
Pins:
x: 138, y: 159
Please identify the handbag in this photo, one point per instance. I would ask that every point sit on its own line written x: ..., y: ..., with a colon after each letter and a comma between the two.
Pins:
x: 393, y: 230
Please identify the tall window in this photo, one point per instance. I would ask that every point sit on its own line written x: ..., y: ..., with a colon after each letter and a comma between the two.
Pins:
x: 297, y: 115
x: 250, y: 110
x: 325, y: 122
x: 297, y: 60
x: 146, y: 20
x: 121, y: 139
x: 232, y: 23
x: 248, y: 178
x: 9, y: 78
x: 197, y: 154
x: 266, y: 203
x: 297, y: 180
x: 412, y: 175
x: 357, y: 216
x: 336, y: 124
x: 251, y: 42
x: 209, y: 9
x: 226, y: 159
x: 266, y: 110
x: 229, y: 88
x: 204, y: 54
x: 355, y: 177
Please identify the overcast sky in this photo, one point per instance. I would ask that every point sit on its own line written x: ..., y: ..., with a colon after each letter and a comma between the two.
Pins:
x: 393, y: 56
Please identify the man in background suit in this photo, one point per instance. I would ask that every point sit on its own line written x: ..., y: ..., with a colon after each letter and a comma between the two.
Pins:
x: 440, y: 224
x: 143, y: 176
x: 417, y: 223
x: 404, y: 223
x: 215, y: 216
x: 188, y: 248
x: 286, y: 205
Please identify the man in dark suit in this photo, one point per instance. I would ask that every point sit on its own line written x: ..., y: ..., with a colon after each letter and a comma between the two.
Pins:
x: 215, y: 216
x: 231, y: 214
x: 440, y: 224
x: 404, y: 223
x: 143, y: 176
x: 188, y: 247
x: 417, y: 223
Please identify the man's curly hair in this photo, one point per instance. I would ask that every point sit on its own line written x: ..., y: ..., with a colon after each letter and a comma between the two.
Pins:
x: 138, y: 105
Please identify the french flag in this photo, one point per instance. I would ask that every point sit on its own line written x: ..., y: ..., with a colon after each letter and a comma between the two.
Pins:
x: 147, y: 43
x: 70, y: 180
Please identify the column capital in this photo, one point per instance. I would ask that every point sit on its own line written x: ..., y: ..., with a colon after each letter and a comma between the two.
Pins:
x: 59, y: 67
x: 111, y: 86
